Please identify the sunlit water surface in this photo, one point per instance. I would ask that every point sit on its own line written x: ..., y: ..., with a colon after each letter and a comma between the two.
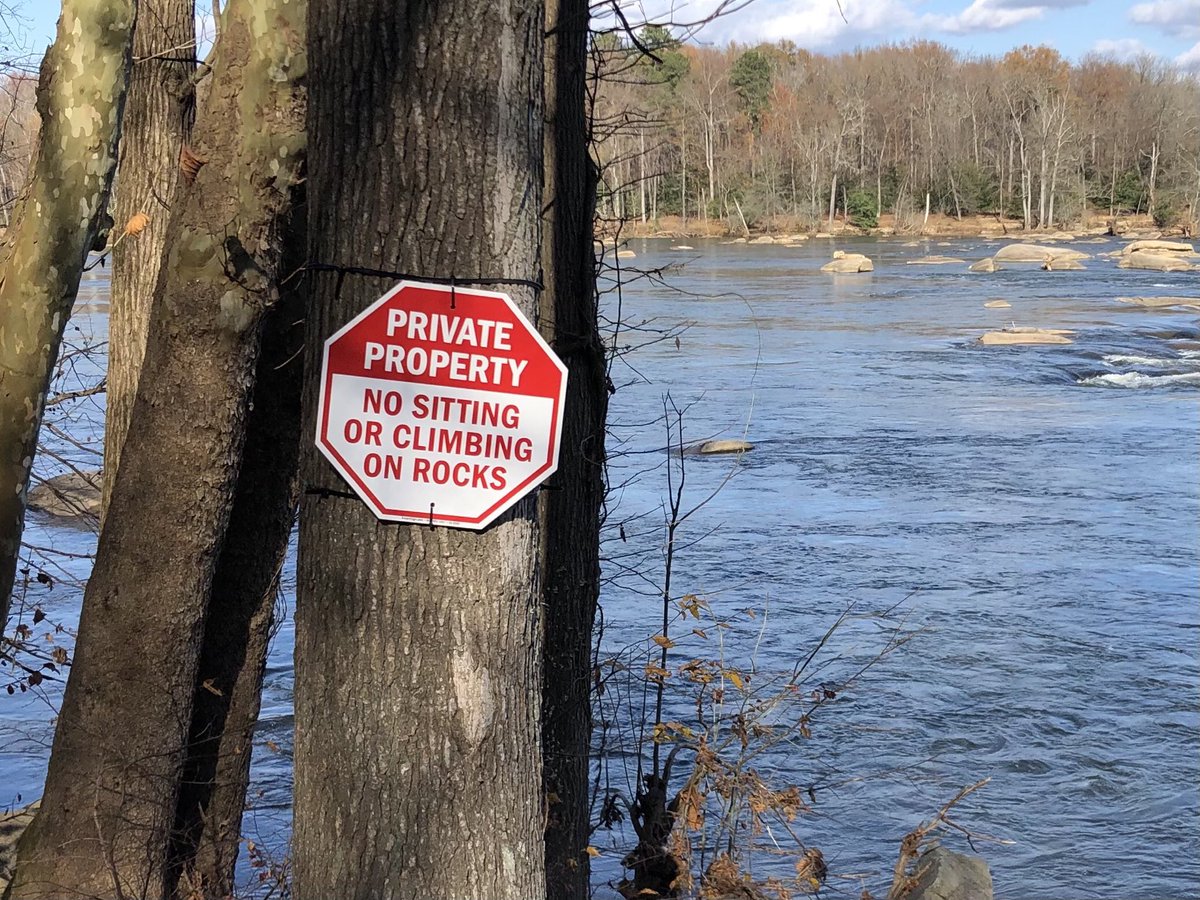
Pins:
x: 1039, y: 508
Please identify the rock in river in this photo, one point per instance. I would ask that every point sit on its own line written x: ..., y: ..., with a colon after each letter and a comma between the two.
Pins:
x: 1158, y: 261
x: 1036, y: 253
x: 984, y: 265
x: 1018, y: 336
x: 942, y: 874
x: 997, y: 304
x: 1062, y: 265
x: 1162, y: 302
x: 70, y: 495
x: 848, y: 262
x: 713, y: 448
x: 1158, y: 247
x: 935, y: 261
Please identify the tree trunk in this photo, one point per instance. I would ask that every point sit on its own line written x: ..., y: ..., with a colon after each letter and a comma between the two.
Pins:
x: 418, y: 650
x: 642, y: 173
x: 156, y: 125
x: 109, y: 803
x: 683, y: 175
x: 233, y: 657
x: 79, y: 98
x: 571, y: 511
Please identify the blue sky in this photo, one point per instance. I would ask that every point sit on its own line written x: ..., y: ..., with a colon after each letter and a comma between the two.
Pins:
x: 1166, y: 28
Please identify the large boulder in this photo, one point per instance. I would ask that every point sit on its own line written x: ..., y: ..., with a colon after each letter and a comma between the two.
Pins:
x: 984, y: 265
x: 1036, y: 253
x: 70, y: 495
x: 1021, y: 336
x: 942, y: 874
x: 1156, y: 260
x: 1158, y: 247
x: 848, y: 262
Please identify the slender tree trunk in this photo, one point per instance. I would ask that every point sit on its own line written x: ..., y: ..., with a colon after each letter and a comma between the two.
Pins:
x: 1153, y: 176
x: 109, y: 805
x: 233, y: 657
x: 571, y: 510
x: 156, y: 126
x: 418, y: 650
x: 79, y: 98
x: 683, y: 176
x: 642, y: 173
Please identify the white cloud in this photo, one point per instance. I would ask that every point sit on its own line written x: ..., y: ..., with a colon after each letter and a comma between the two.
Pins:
x: 1190, y: 59
x: 1173, y: 17
x: 1121, y: 48
x: 987, y: 15
x: 818, y: 23
x: 1043, y: 4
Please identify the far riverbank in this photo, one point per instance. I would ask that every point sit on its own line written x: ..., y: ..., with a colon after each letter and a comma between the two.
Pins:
x: 938, y: 225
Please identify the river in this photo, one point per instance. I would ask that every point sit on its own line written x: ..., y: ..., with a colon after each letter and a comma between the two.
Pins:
x: 1034, y: 511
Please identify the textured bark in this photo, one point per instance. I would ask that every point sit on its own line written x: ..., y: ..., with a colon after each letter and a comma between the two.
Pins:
x: 418, y: 649
x: 80, y: 93
x: 233, y: 657
x: 155, y: 126
x: 571, y: 511
x: 109, y: 803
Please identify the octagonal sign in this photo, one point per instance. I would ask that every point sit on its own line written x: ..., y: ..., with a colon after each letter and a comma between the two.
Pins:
x: 441, y: 406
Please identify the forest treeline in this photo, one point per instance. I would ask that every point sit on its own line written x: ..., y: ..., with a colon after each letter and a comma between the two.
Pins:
x: 775, y: 131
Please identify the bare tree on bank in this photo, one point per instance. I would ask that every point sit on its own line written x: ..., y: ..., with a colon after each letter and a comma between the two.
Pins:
x: 80, y: 94
x: 109, y: 807
x: 571, y: 509
x: 418, y: 649
x: 157, y: 122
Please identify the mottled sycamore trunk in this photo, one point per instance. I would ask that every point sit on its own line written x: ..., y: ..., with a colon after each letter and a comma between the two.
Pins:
x: 418, y: 649
x: 237, y: 630
x: 110, y: 799
x: 80, y: 93
x: 571, y: 510
x: 156, y: 124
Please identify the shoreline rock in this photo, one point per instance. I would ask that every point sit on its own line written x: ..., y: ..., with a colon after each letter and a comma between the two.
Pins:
x: 71, y: 495
x: 12, y: 826
x: 942, y: 874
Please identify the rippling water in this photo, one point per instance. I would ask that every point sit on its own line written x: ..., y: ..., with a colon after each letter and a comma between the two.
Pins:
x: 1043, y: 503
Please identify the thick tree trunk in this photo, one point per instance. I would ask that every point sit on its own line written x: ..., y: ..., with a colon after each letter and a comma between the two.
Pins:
x: 245, y: 586
x: 80, y: 94
x: 109, y: 803
x: 158, y: 120
x: 571, y: 510
x: 418, y: 649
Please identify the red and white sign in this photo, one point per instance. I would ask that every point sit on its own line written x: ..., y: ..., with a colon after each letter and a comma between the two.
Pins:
x: 441, y: 407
